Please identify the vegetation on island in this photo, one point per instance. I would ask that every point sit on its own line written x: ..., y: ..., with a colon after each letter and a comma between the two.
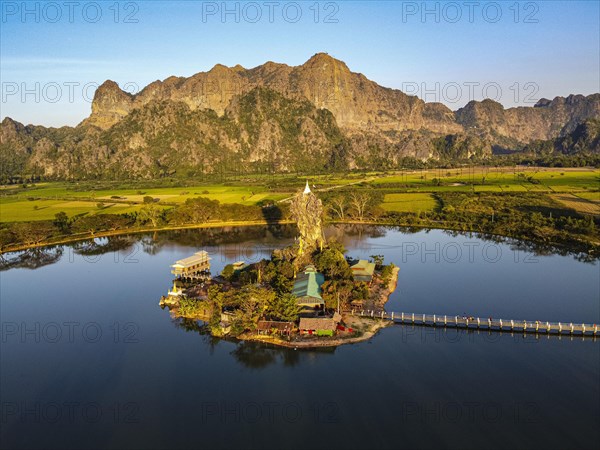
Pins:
x: 235, y: 302
x: 263, y: 290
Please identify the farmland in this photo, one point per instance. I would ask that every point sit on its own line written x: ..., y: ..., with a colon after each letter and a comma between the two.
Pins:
x: 408, y: 202
x: 43, y: 201
x: 402, y: 191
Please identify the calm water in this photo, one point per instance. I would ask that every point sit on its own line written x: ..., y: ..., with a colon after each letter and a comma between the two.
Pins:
x: 89, y: 360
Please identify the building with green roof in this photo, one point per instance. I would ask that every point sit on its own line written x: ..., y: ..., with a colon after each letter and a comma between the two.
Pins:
x: 363, y: 270
x: 307, y: 287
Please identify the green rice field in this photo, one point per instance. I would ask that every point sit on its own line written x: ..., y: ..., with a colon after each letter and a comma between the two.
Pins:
x: 404, y: 191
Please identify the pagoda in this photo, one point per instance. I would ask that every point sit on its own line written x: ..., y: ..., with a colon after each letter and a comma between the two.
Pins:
x: 307, y: 210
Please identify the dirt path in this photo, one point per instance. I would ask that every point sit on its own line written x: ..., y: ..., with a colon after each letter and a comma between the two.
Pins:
x: 331, y: 188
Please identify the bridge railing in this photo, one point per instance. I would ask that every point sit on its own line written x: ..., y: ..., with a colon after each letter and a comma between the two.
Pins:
x: 489, y: 323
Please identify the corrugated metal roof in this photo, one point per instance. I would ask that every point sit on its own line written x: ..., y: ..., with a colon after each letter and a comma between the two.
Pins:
x: 308, y: 284
x: 363, y: 270
x: 196, y: 258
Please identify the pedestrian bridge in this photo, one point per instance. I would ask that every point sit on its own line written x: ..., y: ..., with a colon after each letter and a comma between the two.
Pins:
x: 491, y: 324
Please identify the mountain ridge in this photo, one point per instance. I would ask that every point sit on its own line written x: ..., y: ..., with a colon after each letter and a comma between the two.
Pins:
x: 315, y: 116
x: 358, y: 103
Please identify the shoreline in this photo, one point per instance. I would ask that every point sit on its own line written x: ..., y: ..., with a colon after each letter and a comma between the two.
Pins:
x: 319, y: 342
x: 369, y: 327
x: 111, y: 233
x: 87, y: 236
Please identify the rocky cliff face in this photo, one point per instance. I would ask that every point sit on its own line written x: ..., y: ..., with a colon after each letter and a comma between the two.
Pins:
x: 310, y: 117
x: 262, y: 130
x: 585, y: 138
x: 357, y: 103
x: 546, y: 120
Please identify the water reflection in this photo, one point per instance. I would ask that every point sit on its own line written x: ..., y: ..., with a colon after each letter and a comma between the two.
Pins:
x: 200, y: 328
x: 104, y: 245
x: 253, y: 355
x: 258, y: 355
x: 400, y: 383
x: 273, y: 236
x: 33, y: 258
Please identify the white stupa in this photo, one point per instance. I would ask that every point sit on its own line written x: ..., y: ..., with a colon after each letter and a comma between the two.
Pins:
x: 307, y: 188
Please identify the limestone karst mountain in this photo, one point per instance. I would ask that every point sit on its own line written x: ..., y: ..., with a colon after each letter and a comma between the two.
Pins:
x: 316, y: 116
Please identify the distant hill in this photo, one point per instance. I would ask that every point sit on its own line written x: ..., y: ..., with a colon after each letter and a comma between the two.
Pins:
x: 316, y: 116
x: 585, y: 138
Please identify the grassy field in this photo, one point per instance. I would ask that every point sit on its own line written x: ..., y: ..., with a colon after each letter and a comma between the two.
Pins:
x: 405, y: 191
x: 46, y: 199
x: 579, y: 204
x: 19, y: 211
x: 226, y: 194
x: 591, y: 196
x: 408, y: 202
x: 495, y: 180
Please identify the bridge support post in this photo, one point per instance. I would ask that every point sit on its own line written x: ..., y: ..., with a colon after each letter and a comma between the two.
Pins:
x: 445, y: 320
x: 572, y: 328
x: 402, y: 317
x: 478, y: 323
x: 434, y: 324
x: 382, y: 313
x: 524, y: 326
x: 372, y: 313
x: 548, y: 327
x: 512, y: 324
x: 595, y: 330
x: 489, y: 323
x: 423, y: 319
x: 392, y: 316
x: 413, y: 317
x: 559, y: 328
x: 501, y: 324
x: 583, y: 328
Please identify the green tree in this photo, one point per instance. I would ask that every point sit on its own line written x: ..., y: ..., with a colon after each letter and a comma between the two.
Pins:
x: 281, y: 284
x: 337, y: 290
x: 283, y: 307
x: 150, y: 213
x: 61, y: 222
x: 254, y: 301
x: 378, y: 260
x: 228, y: 272
x: 7, y: 237
x: 386, y: 273
x: 30, y: 233
x: 332, y: 263
x: 215, y: 298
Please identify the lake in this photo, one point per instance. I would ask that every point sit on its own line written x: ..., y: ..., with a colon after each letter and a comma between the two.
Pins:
x: 89, y: 360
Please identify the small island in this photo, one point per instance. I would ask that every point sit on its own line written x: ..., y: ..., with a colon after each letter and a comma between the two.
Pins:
x: 302, y: 297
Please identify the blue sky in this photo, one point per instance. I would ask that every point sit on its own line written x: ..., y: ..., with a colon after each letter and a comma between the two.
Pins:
x: 52, y: 57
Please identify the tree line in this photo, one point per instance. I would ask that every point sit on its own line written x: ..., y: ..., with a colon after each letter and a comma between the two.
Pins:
x: 194, y: 211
